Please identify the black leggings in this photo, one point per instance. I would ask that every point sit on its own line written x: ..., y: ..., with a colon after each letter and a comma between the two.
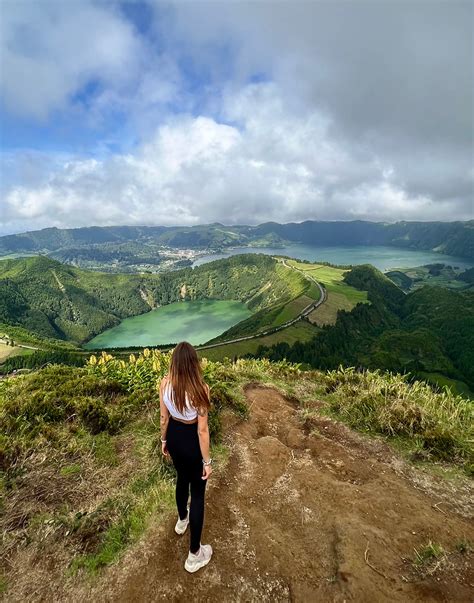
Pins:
x: 182, y: 442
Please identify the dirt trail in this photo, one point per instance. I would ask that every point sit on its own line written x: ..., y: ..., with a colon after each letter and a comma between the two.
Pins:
x: 291, y: 519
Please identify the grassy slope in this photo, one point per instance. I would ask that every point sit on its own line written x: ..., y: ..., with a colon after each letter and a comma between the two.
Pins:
x: 7, y: 351
x: 300, y: 331
x: 83, y: 479
x: 427, y: 333
x: 340, y: 296
x: 62, y: 302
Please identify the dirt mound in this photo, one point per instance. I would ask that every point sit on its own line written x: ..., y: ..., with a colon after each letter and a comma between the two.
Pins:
x: 307, y: 512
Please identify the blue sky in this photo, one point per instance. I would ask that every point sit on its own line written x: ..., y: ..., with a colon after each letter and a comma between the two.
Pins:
x: 184, y: 113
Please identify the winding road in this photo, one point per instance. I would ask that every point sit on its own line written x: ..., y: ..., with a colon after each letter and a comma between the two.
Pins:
x: 305, y: 312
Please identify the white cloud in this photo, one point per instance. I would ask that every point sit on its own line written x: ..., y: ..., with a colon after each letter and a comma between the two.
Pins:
x: 274, y: 166
x: 367, y: 114
x: 49, y: 50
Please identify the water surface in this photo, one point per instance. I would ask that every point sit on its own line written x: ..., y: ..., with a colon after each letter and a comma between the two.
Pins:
x: 382, y: 257
x: 193, y: 321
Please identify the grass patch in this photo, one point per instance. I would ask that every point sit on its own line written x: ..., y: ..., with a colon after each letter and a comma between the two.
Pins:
x: 332, y: 279
x: 458, y: 387
x: 149, y: 496
x: 7, y: 351
x: 302, y: 330
x: 68, y: 470
x: 326, y: 314
x: 438, y: 424
x: 464, y: 547
x: 426, y: 554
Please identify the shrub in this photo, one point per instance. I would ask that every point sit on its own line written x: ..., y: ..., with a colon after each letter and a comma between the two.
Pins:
x: 386, y: 403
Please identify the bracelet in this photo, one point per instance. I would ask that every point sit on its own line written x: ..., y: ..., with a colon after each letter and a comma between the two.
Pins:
x: 163, y: 441
x: 207, y: 463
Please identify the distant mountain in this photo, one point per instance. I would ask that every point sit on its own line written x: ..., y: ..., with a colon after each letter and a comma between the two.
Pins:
x: 454, y: 238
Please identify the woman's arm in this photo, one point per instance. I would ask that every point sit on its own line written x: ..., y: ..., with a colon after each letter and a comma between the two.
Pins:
x: 164, y: 418
x: 203, y: 433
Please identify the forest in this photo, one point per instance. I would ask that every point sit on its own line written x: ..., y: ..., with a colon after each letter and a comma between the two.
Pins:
x: 56, y: 301
x: 428, y: 333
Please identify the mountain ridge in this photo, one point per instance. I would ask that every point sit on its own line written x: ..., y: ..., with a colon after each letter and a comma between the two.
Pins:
x: 453, y: 238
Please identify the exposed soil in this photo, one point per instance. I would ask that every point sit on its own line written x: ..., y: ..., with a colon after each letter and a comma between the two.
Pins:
x: 306, y: 512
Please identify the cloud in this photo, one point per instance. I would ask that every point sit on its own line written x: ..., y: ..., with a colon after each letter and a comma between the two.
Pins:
x: 395, y: 79
x: 274, y: 166
x: 357, y: 110
x: 50, y: 50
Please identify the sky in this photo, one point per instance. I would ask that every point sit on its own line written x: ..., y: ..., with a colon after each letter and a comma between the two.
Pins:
x: 183, y: 113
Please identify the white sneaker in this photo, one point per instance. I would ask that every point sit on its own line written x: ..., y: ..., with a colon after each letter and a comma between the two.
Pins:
x: 198, y: 560
x: 181, y: 525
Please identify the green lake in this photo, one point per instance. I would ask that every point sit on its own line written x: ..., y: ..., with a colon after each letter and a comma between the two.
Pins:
x: 193, y: 321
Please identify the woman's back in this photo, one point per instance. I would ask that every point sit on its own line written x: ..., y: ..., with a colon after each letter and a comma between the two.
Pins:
x: 189, y: 413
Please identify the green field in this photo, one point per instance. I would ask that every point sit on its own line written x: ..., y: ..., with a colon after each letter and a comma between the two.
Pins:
x: 6, y: 351
x: 340, y: 296
x: 437, y: 275
x: 300, y: 331
x: 459, y: 388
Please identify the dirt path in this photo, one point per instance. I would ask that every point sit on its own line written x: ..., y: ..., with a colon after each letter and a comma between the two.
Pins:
x: 307, y: 513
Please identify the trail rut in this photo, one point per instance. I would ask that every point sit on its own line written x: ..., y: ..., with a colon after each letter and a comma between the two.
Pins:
x: 307, y: 512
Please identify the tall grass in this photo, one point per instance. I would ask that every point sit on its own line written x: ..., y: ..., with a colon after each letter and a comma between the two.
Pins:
x: 96, y: 430
x: 440, y: 424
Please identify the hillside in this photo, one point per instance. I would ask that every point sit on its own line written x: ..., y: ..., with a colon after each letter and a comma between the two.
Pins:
x: 300, y: 507
x: 428, y: 333
x: 114, y: 242
x: 54, y: 300
x: 363, y: 320
x: 436, y: 275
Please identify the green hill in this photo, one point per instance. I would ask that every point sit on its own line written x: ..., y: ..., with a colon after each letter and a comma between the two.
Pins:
x: 429, y: 333
x: 440, y: 275
x: 455, y: 238
x: 57, y: 301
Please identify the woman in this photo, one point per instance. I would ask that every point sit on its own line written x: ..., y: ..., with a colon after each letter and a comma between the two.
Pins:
x: 184, y: 405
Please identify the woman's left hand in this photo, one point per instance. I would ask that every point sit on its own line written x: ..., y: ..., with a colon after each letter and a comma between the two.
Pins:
x: 206, y: 471
x: 164, y: 450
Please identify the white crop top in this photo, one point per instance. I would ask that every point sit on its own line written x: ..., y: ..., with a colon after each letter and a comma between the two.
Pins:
x: 189, y: 413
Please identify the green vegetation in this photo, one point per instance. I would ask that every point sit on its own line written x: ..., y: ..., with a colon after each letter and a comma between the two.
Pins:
x: 464, y: 546
x: 298, y: 292
x: 9, y: 351
x: 340, y: 295
x: 428, y: 553
x: 51, y: 300
x: 34, y: 359
x: 428, y: 333
x: 332, y: 277
x: 302, y: 330
x: 434, y: 425
x: 436, y: 275
x: 455, y: 238
x: 81, y: 471
x: 82, y: 474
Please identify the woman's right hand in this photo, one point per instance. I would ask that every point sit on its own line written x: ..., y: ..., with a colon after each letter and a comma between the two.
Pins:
x: 206, y: 471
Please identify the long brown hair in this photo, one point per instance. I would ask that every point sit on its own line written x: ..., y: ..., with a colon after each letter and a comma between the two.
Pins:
x: 186, y: 378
